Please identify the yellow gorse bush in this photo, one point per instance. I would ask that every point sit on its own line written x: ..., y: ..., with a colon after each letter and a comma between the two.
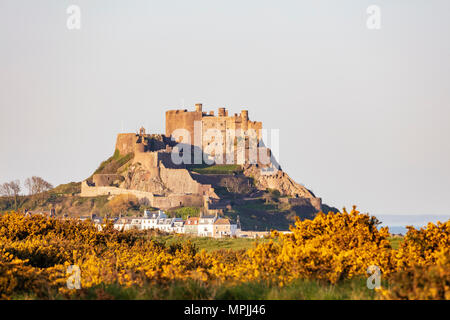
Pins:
x: 35, y: 253
x: 331, y: 247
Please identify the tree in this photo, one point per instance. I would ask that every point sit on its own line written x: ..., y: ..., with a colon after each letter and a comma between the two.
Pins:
x: 11, y: 190
x: 5, y: 190
x: 237, y: 186
x: 36, y: 185
x: 15, y: 187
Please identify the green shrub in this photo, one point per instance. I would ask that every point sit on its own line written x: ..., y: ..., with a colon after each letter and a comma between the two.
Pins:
x: 217, y: 169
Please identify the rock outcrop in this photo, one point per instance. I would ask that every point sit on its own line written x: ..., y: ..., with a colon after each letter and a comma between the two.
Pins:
x: 279, y: 180
x: 152, y: 173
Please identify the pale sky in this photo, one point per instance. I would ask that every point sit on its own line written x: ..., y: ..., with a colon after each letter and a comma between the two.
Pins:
x: 363, y: 114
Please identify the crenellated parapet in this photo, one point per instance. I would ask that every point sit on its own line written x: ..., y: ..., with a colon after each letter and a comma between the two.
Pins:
x: 198, y: 123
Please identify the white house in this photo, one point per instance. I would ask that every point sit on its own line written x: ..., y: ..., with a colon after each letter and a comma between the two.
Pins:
x: 122, y: 224
x: 165, y: 224
x: 178, y: 225
x: 150, y: 219
x: 206, y: 226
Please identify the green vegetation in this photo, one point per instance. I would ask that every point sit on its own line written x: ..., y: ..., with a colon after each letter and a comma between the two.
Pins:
x: 274, y: 193
x: 354, y: 289
x: 113, y: 163
x: 208, y: 244
x: 260, y: 215
x: 68, y: 188
x: 213, y: 244
x: 184, y: 212
x: 396, y: 241
x: 217, y: 169
x: 62, y: 201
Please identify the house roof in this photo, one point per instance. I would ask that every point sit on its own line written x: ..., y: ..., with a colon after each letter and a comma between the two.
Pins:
x: 208, y: 217
x: 222, y: 221
x: 192, y: 221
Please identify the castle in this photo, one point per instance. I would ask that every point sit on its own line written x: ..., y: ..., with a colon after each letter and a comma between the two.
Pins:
x: 152, y: 176
x: 223, y: 124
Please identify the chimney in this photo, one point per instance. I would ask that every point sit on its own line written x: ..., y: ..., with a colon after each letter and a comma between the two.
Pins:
x: 198, y: 107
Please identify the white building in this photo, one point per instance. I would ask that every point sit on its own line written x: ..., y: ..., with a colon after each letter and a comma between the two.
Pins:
x: 178, y: 225
x: 150, y: 219
x: 122, y: 224
x: 165, y: 225
x: 206, y: 226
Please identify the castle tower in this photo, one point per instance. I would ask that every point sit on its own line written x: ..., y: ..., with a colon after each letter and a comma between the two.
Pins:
x: 139, y: 146
x: 244, y: 117
x: 221, y: 112
x: 188, y: 120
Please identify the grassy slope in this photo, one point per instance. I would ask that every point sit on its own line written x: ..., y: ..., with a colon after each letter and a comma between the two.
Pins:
x: 64, y: 197
x: 261, y: 216
x: 113, y: 163
x: 217, y: 169
x: 354, y: 289
x: 210, y: 244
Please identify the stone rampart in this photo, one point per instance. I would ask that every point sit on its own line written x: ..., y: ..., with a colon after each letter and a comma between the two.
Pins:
x: 106, y: 180
x: 125, y: 143
x: 171, y: 201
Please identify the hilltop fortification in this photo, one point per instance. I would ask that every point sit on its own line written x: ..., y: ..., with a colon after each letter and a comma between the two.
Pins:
x: 143, y: 165
x: 184, y: 119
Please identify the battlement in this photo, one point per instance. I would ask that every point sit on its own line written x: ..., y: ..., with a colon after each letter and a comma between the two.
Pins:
x: 140, y: 142
x: 184, y: 119
x: 152, y: 175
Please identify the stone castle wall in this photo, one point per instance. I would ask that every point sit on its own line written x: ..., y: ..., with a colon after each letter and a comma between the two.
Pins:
x: 150, y: 160
x: 182, y: 119
x: 105, y: 180
x: 159, y: 176
x: 175, y: 177
x: 171, y: 201
x: 177, y: 119
x: 95, y: 191
x: 181, y: 181
x: 125, y: 143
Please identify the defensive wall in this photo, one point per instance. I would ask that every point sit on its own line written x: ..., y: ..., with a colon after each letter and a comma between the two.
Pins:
x: 105, y: 180
x: 236, y: 124
x: 162, y: 202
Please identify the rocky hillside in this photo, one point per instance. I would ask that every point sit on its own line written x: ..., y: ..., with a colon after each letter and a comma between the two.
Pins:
x: 262, y: 201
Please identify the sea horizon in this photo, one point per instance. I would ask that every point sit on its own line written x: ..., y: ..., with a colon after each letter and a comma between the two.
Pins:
x: 397, y: 223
